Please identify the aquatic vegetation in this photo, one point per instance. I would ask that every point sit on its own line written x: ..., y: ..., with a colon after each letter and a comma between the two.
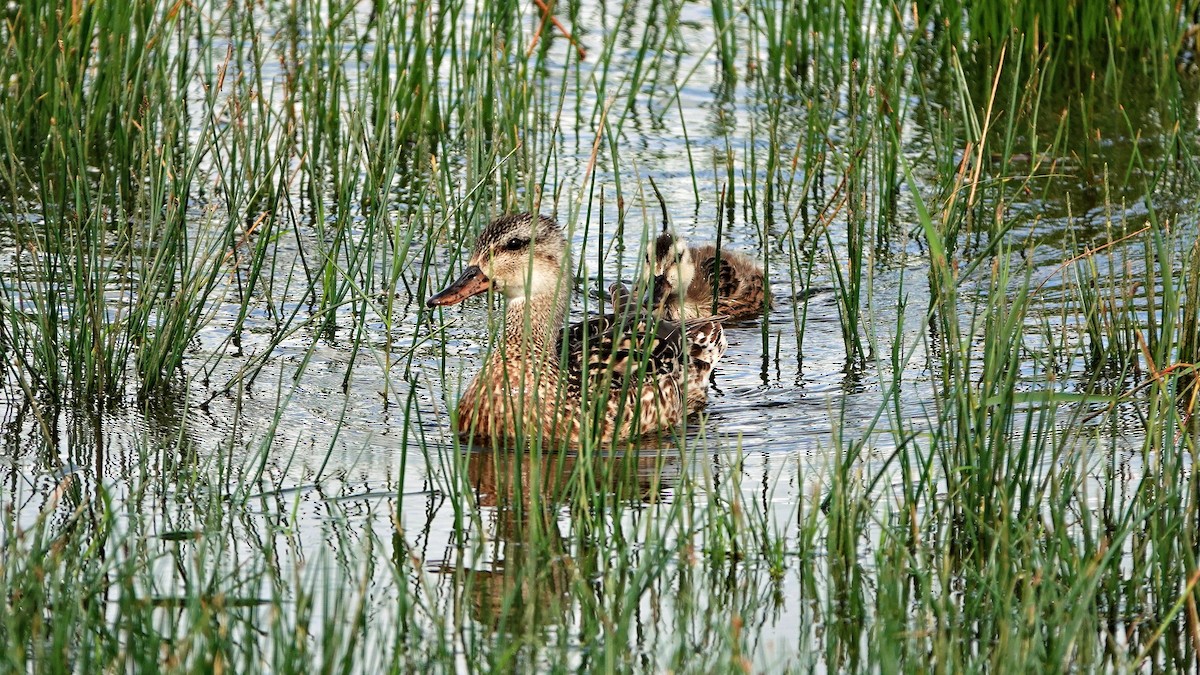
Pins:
x: 959, y: 438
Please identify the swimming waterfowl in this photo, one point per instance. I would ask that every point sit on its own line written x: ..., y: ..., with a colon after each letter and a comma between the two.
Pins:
x: 735, y: 278
x: 617, y: 377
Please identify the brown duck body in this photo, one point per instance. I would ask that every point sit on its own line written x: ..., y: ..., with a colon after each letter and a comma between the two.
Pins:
x: 734, y: 279
x: 613, y: 380
x: 608, y: 378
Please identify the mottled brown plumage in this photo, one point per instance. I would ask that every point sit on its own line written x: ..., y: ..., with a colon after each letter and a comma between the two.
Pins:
x: 735, y: 279
x: 609, y: 378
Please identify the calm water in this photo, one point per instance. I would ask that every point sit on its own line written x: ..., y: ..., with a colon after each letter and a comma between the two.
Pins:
x: 340, y: 452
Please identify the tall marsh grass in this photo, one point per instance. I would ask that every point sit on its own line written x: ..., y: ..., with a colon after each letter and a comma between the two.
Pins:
x: 224, y: 424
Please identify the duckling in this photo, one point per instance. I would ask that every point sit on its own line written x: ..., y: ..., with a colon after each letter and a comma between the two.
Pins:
x: 610, y: 377
x: 735, y: 278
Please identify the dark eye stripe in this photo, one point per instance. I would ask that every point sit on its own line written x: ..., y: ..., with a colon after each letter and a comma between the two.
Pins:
x: 663, y: 245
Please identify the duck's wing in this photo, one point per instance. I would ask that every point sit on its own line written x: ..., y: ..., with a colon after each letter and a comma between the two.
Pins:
x: 645, y: 374
x: 706, y: 344
x: 635, y: 348
x: 619, y: 297
x: 706, y: 340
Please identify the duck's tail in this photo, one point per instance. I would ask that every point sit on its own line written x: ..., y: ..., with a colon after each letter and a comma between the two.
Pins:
x: 706, y: 344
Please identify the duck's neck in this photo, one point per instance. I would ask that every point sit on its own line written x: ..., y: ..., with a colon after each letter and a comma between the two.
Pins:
x: 532, y: 324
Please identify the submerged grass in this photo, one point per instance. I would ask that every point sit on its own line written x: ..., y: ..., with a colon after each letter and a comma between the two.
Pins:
x: 216, y: 214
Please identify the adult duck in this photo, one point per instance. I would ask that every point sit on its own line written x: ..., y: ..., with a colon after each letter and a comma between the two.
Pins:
x: 608, y: 378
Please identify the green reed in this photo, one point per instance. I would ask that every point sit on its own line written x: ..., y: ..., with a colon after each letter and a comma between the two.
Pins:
x: 199, y: 210
x: 1142, y: 37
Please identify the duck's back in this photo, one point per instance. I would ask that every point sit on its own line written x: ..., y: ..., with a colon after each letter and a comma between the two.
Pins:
x: 707, y: 344
x: 640, y: 375
x: 736, y: 279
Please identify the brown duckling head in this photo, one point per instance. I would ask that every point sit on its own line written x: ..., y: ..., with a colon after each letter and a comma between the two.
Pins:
x: 669, y: 265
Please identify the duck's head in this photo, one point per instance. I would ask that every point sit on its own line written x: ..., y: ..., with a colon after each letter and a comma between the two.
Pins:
x: 669, y: 264
x: 519, y: 255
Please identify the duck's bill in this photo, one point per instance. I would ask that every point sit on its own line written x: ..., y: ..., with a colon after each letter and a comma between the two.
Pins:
x: 472, y: 282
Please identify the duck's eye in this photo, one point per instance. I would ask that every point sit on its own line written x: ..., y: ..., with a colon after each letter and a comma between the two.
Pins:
x: 516, y: 244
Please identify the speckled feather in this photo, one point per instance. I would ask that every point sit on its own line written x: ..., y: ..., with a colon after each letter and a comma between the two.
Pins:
x: 635, y: 366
